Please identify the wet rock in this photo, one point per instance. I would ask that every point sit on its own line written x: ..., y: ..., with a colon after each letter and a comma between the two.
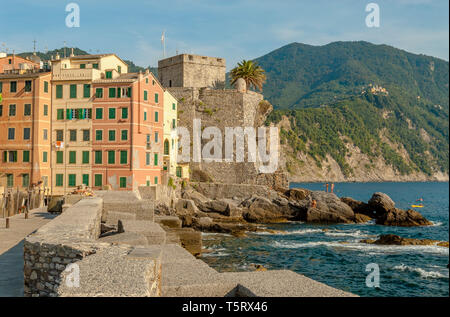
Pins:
x: 392, y: 239
x: 381, y: 203
x: 402, y: 218
x: 359, y: 207
x: 360, y: 218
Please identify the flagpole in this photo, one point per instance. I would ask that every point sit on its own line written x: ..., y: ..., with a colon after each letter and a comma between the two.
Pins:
x: 163, y: 41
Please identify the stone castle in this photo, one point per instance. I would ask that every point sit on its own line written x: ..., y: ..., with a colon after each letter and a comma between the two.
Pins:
x: 198, y: 83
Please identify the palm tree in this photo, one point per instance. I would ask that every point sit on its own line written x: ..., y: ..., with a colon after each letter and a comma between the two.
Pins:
x: 253, y: 74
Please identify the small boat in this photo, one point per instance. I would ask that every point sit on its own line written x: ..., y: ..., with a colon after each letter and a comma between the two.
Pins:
x: 417, y: 206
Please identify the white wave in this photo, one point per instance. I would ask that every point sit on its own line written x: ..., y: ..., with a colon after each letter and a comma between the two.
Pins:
x: 437, y: 224
x: 293, y: 232
x: 365, y: 248
x: 355, y: 234
x: 424, y: 274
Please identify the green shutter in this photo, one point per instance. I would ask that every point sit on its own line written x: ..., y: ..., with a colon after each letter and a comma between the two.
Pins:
x: 108, y: 74
x: 99, y: 92
x: 25, y: 180
x: 156, y: 116
x: 123, y: 157
x: 112, y: 92
x: 44, y: 157
x: 73, y: 91
x: 99, y: 113
x: 85, y: 157
x: 124, y: 113
x: 111, y: 157
x: 98, y: 157
x: 123, y: 182
x: 112, y: 135
x: 45, y: 110
x: 59, y: 157
x: 98, y: 178
x: 98, y: 135
x: 145, y: 95
x: 112, y: 113
x: 145, y: 115
x: 95, y: 66
x: 82, y: 66
x: 60, y: 114
x: 59, y: 180
x: 87, y: 91
x: 156, y: 180
x: 86, y: 179
x: 124, y: 135
x: 72, y: 180
x: 147, y: 158
x: 45, y: 86
x: 156, y: 98
x: 26, y: 156
x: 129, y: 92
x: 119, y: 92
x: 174, y: 107
x: 9, y: 180
x: 59, y: 91
x: 72, y: 157
x: 156, y: 159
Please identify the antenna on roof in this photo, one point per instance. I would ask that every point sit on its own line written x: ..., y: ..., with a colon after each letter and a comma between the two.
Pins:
x: 163, y: 43
x: 64, y: 49
x: 34, y: 46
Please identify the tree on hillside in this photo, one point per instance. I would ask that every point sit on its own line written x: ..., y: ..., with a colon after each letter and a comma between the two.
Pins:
x: 253, y: 74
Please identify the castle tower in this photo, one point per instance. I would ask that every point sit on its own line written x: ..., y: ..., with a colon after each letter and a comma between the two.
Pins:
x: 193, y: 71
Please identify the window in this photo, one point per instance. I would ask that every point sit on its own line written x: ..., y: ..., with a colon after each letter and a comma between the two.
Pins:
x: 112, y: 113
x: 148, y: 183
x: 112, y: 92
x: 45, y: 134
x: 123, y: 157
x: 174, y: 106
x: 178, y: 171
x: 119, y: 92
x: 82, y: 66
x: 145, y: 115
x: 108, y: 74
x: 98, y: 135
x: 45, y: 110
x: 156, y: 159
x: 9, y: 180
x: 98, y: 178
x: 86, y: 91
x: 59, y: 157
x: 123, y: 182
x: 60, y: 114
x: 45, y: 86
x: 27, y: 110
x: 85, y: 157
x: 73, y: 135
x: 5, y: 156
x: 129, y: 92
x: 72, y: 157
x: 72, y: 180
x: 27, y: 85
x: 119, y: 69
x: 26, y: 157
x: 86, y: 179
x: 95, y: 66
x: 25, y: 180
x: 13, y: 86
x: 59, y: 135
x: 1, y: 87
x: 146, y: 80
x: 99, y: 113
x: 59, y: 180
x: 99, y: 92
x: 59, y: 91
x: 111, y: 157
x: 11, y: 133
x: 86, y: 135
x: 166, y: 147
x: 156, y: 137
x: 156, y: 180
x: 1, y: 110
x: 156, y: 116
x: 124, y: 113
x: 73, y: 91
x: 26, y: 133
x: 156, y: 98
x: 44, y: 157
x: 147, y: 158
x: 174, y: 123
x: 145, y: 95
x: 12, y: 156
x: 112, y: 135
x: 98, y: 157
x: 12, y: 110
x: 124, y: 136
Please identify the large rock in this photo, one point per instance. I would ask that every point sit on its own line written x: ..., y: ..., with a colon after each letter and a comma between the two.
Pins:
x: 402, y: 218
x: 198, y: 175
x: 381, y: 203
x: 329, y: 209
x: 359, y: 207
x: 392, y: 239
x: 298, y: 193
x: 262, y: 210
x: 186, y: 207
x: 321, y: 215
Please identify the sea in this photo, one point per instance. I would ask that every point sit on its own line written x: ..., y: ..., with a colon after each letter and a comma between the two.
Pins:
x: 333, y: 254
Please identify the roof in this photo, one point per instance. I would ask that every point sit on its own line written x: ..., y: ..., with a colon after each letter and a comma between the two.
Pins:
x: 89, y: 56
x: 25, y: 75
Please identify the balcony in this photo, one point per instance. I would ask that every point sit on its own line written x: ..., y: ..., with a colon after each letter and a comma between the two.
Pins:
x: 77, y: 74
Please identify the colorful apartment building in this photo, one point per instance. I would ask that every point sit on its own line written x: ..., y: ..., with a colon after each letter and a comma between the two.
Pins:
x: 11, y: 63
x: 128, y: 131
x: 170, y: 146
x: 72, y: 116
x: 25, y: 128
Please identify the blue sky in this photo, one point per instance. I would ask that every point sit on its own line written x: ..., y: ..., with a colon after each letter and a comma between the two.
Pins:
x: 233, y: 29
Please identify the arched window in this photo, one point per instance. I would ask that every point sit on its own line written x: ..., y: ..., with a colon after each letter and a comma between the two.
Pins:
x: 166, y: 147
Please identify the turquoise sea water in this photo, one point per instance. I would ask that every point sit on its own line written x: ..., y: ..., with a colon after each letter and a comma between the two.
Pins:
x: 335, y: 257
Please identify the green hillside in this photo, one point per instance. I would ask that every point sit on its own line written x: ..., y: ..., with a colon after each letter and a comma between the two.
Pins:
x: 321, y: 90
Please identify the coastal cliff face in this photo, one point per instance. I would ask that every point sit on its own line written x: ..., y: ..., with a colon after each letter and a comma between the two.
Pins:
x: 302, y: 167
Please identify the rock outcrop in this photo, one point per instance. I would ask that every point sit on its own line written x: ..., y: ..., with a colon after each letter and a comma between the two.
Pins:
x: 392, y: 239
x: 402, y: 218
x: 381, y: 203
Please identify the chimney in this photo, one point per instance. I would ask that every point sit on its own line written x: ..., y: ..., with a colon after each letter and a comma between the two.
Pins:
x: 57, y: 56
x: 71, y: 53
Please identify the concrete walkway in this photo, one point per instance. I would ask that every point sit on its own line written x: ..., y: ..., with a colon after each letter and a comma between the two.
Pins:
x: 19, y: 227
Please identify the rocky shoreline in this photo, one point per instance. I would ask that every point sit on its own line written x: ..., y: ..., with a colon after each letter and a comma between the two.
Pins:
x: 238, y: 209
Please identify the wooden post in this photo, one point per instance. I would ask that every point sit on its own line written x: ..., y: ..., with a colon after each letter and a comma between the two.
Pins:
x: 26, y: 214
x: 7, y: 223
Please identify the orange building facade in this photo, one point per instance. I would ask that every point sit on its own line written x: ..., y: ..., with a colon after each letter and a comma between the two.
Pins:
x: 25, y: 129
x: 12, y: 62
x: 127, y: 126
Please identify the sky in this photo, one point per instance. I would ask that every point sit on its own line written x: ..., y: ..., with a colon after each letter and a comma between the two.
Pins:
x: 231, y: 29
